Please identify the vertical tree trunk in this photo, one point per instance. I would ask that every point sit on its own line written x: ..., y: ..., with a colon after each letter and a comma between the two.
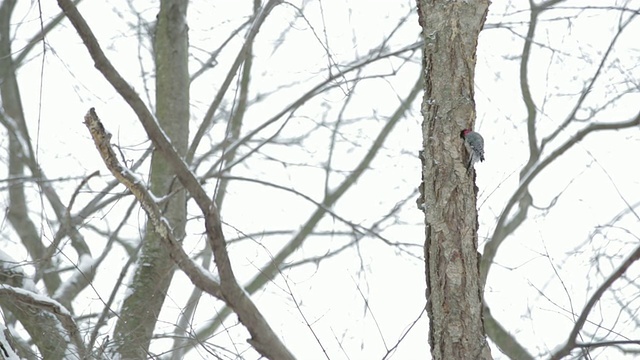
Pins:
x: 155, y: 269
x: 454, y: 299
x: 50, y: 342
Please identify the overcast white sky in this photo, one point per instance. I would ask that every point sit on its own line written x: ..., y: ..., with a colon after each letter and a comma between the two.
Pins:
x: 593, y: 177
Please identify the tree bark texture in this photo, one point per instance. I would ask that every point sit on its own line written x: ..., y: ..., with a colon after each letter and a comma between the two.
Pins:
x: 454, y: 300
x: 155, y: 268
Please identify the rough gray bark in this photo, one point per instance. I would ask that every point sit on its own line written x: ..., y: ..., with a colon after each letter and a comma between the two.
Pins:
x: 454, y: 299
x: 155, y: 270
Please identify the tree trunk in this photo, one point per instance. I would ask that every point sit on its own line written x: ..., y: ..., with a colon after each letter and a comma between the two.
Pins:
x: 454, y: 299
x: 40, y: 325
x: 155, y: 269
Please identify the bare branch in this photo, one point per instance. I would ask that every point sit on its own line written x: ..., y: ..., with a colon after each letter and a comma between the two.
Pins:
x: 500, y: 233
x: 571, y: 341
x: 534, y: 151
x: 589, y: 87
x: 263, y: 339
x: 269, y: 270
x: 62, y: 314
x: 39, y: 37
x: 240, y: 58
x: 196, y: 274
x: 502, y: 338
x: 146, y: 118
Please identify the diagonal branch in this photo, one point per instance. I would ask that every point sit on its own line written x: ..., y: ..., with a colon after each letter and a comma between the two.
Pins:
x: 38, y: 301
x: 272, y: 268
x: 587, y: 90
x: 491, y: 247
x: 143, y: 113
x: 264, y: 339
x: 196, y: 274
x: 571, y: 341
x: 244, y: 52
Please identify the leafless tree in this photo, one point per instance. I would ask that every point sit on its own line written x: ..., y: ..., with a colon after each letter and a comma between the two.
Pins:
x: 598, y: 73
x: 550, y: 134
x: 182, y: 179
x: 211, y: 189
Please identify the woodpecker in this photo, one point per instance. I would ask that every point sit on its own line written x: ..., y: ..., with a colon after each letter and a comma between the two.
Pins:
x: 475, y: 145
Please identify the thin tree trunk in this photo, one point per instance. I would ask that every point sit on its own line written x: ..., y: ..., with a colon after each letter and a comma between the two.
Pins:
x: 454, y: 299
x: 155, y: 269
x: 50, y: 342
